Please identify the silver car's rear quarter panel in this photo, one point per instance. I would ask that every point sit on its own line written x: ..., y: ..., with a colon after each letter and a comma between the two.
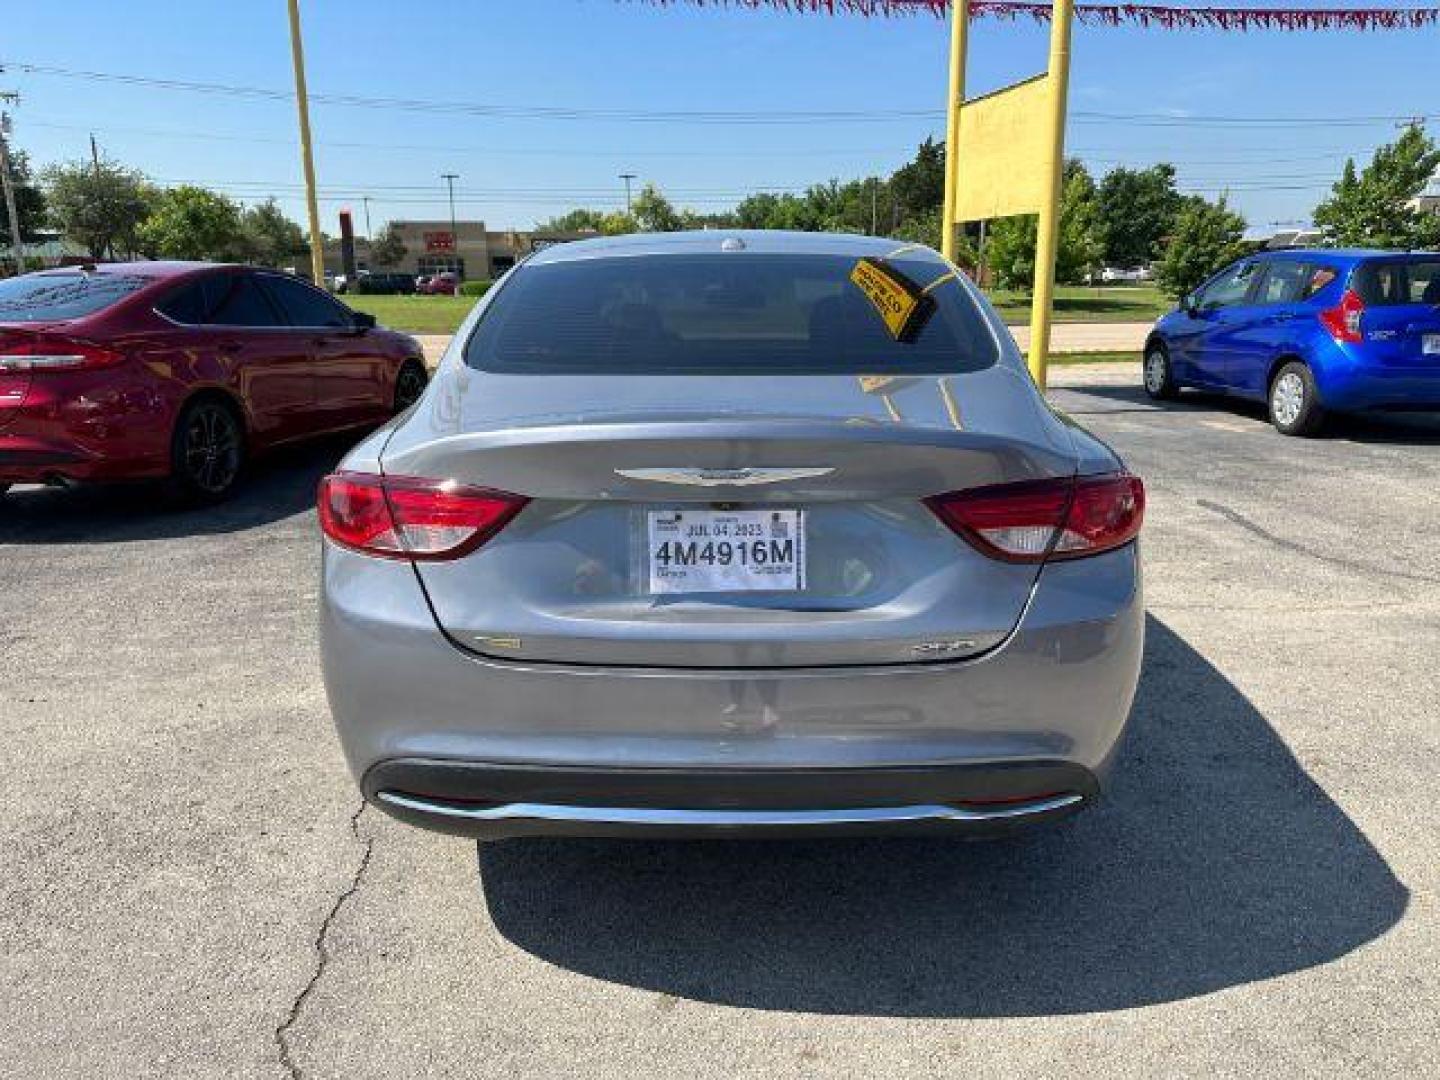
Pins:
x: 1058, y: 689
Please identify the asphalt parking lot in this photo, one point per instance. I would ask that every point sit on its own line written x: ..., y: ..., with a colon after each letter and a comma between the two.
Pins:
x: 190, y: 888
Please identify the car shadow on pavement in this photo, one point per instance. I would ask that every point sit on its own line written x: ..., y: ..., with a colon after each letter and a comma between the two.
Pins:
x: 1409, y: 428
x: 277, y: 486
x: 1216, y: 861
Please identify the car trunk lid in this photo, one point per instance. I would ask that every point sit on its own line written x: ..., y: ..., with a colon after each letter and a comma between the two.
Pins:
x: 835, y: 466
x: 1401, y: 320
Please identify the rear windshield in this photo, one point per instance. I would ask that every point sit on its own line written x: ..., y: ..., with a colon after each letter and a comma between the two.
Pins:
x: 1399, y: 282
x: 58, y: 297
x: 722, y: 314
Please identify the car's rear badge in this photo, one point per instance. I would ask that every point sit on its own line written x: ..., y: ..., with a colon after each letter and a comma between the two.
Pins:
x: 741, y: 477
x: 941, y: 648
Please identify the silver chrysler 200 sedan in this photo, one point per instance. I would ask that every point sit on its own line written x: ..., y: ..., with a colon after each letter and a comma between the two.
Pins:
x: 712, y: 533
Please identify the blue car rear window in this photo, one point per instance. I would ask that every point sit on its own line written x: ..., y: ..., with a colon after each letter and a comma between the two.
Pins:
x: 722, y: 314
x: 57, y: 297
x: 1399, y: 282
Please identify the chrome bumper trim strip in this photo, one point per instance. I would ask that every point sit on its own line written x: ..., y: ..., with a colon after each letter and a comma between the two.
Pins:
x: 661, y: 817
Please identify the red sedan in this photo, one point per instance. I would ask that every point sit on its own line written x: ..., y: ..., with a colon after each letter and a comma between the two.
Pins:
x: 446, y: 284
x: 183, y: 370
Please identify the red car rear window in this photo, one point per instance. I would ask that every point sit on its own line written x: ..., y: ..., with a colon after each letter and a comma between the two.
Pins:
x: 57, y: 297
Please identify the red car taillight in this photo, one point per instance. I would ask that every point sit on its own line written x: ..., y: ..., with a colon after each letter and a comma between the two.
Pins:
x: 57, y: 354
x: 1030, y: 522
x: 406, y: 517
x: 1343, y: 320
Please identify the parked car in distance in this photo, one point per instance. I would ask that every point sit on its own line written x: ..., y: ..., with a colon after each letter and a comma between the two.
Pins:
x: 688, y: 539
x: 386, y: 283
x: 1124, y: 275
x: 1309, y: 332
x: 183, y: 370
x: 445, y: 284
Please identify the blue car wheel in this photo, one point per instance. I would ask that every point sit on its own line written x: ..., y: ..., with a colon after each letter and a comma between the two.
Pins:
x: 1159, y: 378
x: 1295, y: 407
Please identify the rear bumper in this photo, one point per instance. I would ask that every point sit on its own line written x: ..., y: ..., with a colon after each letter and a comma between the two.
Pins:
x: 456, y: 742
x: 93, y: 432
x: 1360, y: 386
x: 489, y: 801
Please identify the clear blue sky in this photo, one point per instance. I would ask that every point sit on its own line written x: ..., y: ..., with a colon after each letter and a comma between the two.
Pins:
x: 608, y: 55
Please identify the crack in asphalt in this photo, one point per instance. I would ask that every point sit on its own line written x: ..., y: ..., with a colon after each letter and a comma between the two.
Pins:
x: 322, y: 949
x: 1364, y: 568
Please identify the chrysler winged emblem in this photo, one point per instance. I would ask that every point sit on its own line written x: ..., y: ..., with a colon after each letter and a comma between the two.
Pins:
x: 741, y: 477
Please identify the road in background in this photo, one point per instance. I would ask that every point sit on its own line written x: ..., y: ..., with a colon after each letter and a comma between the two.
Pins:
x: 190, y: 888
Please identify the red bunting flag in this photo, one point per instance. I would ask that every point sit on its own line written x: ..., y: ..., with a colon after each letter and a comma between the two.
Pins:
x: 1157, y: 16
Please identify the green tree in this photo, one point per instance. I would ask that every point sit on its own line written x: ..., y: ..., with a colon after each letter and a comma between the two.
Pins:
x: 29, y: 200
x: 696, y: 219
x: 919, y: 186
x: 1138, y: 208
x: 1010, y: 252
x: 389, y: 249
x: 1373, y: 207
x: 769, y: 211
x: 618, y: 223
x: 98, y: 205
x: 653, y: 212
x: 190, y: 222
x: 578, y: 220
x: 267, y: 236
x: 1207, y: 236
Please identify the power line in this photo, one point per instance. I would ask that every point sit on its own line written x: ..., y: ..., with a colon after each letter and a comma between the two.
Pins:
x: 1088, y: 154
x: 241, y: 137
x: 690, y: 116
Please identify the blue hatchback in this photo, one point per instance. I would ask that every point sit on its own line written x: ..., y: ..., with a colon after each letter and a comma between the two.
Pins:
x: 1308, y: 332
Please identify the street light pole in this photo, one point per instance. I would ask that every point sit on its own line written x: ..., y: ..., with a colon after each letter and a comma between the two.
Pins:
x: 627, y: 177
x: 450, y: 179
x: 307, y: 158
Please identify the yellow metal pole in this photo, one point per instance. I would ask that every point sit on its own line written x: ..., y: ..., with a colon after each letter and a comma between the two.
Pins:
x: 302, y: 106
x: 959, y: 26
x: 1048, y: 234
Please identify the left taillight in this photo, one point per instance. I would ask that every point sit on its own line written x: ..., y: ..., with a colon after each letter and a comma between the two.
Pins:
x: 1344, y: 319
x: 1036, y: 521
x: 409, y: 517
x: 56, y: 354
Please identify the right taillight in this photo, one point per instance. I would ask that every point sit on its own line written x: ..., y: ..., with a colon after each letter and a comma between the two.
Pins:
x: 1032, y: 521
x: 1343, y: 320
x: 407, y: 517
x: 57, y: 354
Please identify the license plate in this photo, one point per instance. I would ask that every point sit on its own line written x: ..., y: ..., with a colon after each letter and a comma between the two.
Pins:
x: 1431, y: 346
x: 702, y: 551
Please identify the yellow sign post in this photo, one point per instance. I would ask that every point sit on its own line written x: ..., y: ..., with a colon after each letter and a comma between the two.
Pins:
x: 1006, y: 156
x: 307, y: 157
x: 959, y: 34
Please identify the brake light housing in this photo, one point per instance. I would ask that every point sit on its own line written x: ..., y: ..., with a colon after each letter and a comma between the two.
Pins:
x: 1343, y: 321
x: 47, y: 353
x: 1046, y: 520
x: 410, y: 517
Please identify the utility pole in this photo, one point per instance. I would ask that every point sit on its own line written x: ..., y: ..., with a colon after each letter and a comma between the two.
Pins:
x: 959, y: 49
x: 628, y: 177
x: 95, y: 155
x: 307, y: 158
x: 366, y: 200
x: 450, y: 179
x: 17, y: 245
x: 874, y: 206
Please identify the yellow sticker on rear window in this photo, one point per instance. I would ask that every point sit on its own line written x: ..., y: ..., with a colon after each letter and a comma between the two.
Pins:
x: 897, y: 300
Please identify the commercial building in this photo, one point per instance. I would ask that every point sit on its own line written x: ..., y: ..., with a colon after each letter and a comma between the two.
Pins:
x: 469, y: 249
